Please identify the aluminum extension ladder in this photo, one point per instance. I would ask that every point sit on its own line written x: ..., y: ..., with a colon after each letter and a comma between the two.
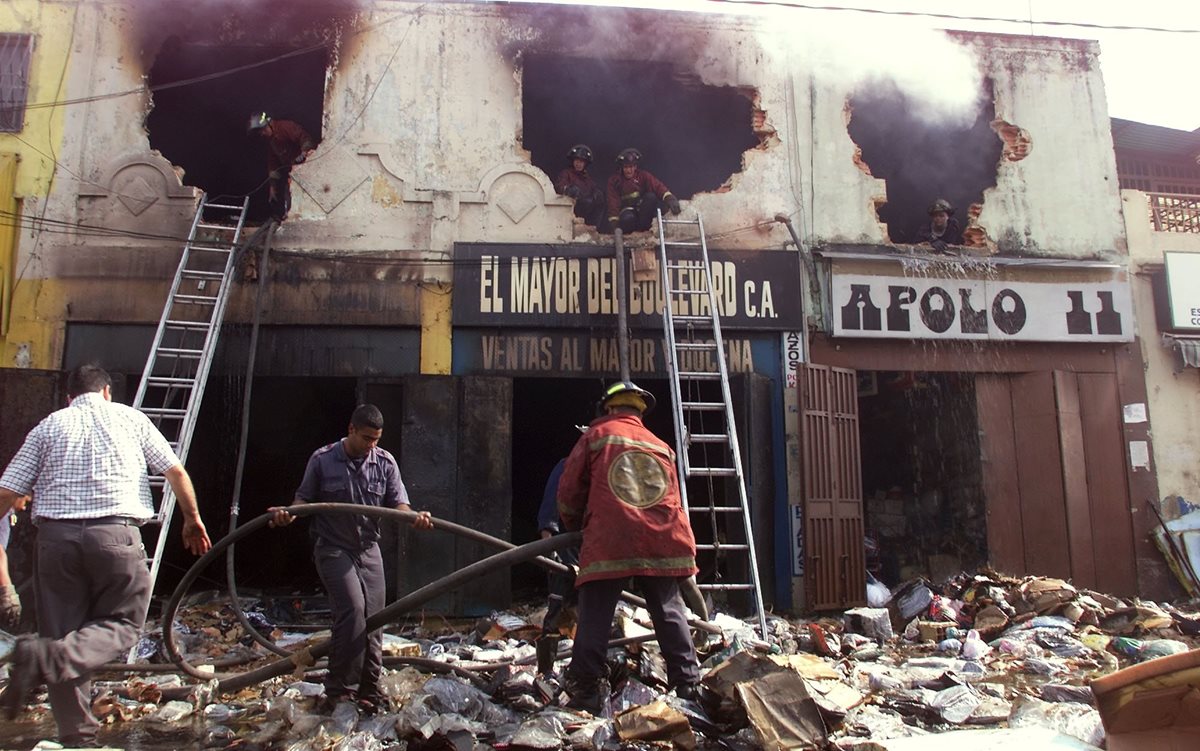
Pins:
x: 705, y: 434
x: 173, y: 381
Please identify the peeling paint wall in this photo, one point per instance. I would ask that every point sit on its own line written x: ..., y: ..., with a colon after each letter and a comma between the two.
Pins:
x: 1172, y: 392
x: 422, y: 149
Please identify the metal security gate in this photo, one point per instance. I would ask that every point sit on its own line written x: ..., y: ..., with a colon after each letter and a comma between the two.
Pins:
x: 831, y: 486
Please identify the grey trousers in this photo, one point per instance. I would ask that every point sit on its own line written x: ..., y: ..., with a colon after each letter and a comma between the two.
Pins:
x: 355, y: 585
x: 93, y: 587
x: 597, y: 603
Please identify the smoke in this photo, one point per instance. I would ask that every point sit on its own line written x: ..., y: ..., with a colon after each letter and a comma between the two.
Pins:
x: 938, y: 77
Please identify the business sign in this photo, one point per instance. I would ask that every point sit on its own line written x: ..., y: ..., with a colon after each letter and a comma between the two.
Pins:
x: 572, y: 286
x: 585, y: 354
x: 1183, y: 289
x: 885, y: 307
x: 793, y: 356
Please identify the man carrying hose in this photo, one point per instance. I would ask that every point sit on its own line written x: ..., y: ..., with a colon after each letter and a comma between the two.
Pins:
x: 346, y: 550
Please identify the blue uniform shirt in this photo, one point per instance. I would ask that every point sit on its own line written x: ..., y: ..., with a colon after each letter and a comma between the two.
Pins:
x: 332, y: 477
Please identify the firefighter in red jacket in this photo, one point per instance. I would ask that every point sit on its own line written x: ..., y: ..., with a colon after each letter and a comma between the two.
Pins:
x: 288, y: 144
x: 575, y: 182
x: 635, y: 195
x: 620, y: 487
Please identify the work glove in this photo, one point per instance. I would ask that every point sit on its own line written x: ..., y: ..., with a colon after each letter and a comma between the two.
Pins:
x: 10, y: 608
x: 673, y: 204
x: 939, y: 246
x: 572, y: 191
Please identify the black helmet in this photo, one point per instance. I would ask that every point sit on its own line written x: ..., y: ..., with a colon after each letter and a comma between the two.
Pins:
x: 258, y: 121
x: 626, y: 387
x: 629, y: 156
x: 580, y: 151
x: 941, y: 204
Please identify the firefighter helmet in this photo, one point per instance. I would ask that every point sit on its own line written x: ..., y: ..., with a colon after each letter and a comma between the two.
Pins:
x: 580, y: 151
x: 629, y: 156
x: 941, y: 204
x: 258, y: 121
x: 629, y: 394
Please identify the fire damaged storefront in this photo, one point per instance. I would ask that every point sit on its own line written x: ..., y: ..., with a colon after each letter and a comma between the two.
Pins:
x: 544, y: 319
x: 963, y: 412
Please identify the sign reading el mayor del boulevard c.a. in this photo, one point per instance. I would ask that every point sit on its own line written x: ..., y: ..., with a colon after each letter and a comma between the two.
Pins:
x: 983, y: 309
x: 543, y: 286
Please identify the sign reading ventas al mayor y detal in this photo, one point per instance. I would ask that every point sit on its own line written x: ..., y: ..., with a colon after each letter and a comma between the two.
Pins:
x: 553, y: 286
x: 923, y: 307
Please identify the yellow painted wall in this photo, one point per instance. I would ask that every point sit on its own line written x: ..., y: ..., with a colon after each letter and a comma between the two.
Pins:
x: 29, y: 337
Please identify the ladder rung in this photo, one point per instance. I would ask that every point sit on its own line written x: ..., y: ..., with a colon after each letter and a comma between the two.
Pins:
x: 727, y: 587
x: 164, y: 411
x: 704, y: 406
x: 683, y: 244
x: 209, y: 248
x: 712, y: 472
x: 195, y: 299
x: 198, y: 274
x: 226, y: 227
x: 692, y: 319
x: 692, y: 222
x: 730, y: 547
x: 221, y: 206
x: 708, y: 438
x: 681, y: 291
x: 714, y: 509
x: 698, y: 375
x: 168, y: 381
x: 176, y: 352
x: 190, y: 325
x: 696, y: 345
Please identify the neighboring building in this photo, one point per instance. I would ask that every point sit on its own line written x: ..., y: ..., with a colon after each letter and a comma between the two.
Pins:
x: 1161, y: 181
x: 428, y: 266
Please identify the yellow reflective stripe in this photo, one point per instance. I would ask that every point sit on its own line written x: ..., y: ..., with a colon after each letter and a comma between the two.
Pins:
x: 620, y: 440
x: 636, y: 564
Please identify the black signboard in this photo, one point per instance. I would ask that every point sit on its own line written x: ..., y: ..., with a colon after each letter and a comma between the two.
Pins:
x: 573, y: 286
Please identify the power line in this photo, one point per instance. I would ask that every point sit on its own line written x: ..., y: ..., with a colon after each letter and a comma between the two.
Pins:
x: 954, y: 17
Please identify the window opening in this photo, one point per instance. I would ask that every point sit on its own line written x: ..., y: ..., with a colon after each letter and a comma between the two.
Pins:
x: 15, y: 51
x: 201, y: 127
x: 691, y: 135
x: 921, y: 159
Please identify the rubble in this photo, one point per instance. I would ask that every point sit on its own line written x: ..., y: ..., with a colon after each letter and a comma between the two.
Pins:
x: 1011, y: 656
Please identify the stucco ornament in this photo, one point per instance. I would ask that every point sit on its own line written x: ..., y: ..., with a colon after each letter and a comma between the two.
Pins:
x: 330, y: 177
x: 638, y: 478
x: 516, y: 199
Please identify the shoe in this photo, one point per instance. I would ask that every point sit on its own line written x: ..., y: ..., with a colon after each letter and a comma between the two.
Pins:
x: 369, y: 706
x: 328, y: 702
x: 22, y: 678
x: 688, y: 691
x: 590, y: 696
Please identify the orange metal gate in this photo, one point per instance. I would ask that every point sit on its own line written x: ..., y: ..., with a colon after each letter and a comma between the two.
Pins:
x: 831, y: 485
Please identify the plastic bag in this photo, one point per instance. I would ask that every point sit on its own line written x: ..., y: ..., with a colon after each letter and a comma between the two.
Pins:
x: 540, y: 731
x: 1076, y: 720
x: 973, y: 647
x: 877, y: 592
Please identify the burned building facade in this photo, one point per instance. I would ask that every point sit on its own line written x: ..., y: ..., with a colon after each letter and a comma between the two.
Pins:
x: 958, y: 408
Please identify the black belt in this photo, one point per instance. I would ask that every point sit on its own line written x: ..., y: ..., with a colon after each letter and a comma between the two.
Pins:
x: 124, y: 521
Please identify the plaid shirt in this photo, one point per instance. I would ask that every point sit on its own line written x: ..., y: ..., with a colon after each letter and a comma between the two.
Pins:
x: 89, y: 461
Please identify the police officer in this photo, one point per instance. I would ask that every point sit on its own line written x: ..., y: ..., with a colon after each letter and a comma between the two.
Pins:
x: 620, y: 487
x: 575, y: 182
x: 635, y: 195
x: 346, y: 550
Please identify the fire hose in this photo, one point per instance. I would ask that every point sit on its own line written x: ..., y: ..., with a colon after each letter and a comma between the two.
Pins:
x: 509, y: 556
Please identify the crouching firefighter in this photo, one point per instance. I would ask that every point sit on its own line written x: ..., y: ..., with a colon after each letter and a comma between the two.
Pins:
x: 575, y: 183
x: 635, y: 195
x: 619, y: 486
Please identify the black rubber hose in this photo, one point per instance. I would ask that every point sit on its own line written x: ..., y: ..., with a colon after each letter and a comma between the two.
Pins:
x: 530, y: 551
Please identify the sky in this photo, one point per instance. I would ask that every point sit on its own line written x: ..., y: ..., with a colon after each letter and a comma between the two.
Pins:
x: 1147, y: 74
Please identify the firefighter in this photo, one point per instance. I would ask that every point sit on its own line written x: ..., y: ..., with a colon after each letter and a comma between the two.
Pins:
x: 941, y: 229
x: 288, y: 144
x: 575, y: 182
x: 620, y: 487
x: 635, y: 195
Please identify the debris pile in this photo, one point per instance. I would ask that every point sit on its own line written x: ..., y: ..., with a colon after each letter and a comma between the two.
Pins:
x: 1003, y: 660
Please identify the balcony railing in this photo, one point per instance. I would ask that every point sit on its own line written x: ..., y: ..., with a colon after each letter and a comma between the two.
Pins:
x: 1173, y: 212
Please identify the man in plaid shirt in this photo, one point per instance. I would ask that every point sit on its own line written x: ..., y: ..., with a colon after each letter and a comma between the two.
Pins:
x: 85, y: 467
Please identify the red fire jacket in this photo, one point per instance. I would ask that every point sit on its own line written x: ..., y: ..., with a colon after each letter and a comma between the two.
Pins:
x: 582, y: 180
x: 287, y: 141
x: 622, y: 192
x: 619, y: 486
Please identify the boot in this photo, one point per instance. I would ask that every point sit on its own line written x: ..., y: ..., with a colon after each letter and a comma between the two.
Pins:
x: 547, y: 652
x: 590, y: 696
